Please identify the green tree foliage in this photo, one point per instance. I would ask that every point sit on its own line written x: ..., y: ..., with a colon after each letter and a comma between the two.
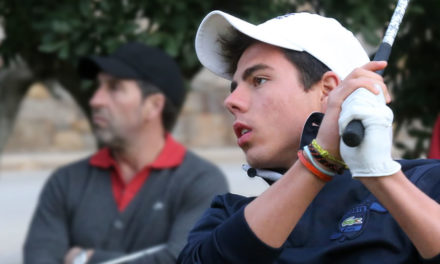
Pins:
x: 50, y: 36
x: 48, y: 33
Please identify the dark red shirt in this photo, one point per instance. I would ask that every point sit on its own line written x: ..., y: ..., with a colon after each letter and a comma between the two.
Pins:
x: 171, y: 156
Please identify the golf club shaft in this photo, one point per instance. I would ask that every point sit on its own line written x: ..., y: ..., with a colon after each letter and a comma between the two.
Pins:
x: 354, y: 131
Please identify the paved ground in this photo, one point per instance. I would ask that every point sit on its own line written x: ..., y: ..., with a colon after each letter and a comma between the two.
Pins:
x: 22, y: 177
x: 18, y: 195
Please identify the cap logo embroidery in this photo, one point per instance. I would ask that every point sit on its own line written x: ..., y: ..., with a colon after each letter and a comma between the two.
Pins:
x: 285, y: 16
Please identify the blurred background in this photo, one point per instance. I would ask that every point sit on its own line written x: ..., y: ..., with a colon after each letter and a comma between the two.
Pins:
x: 44, y: 114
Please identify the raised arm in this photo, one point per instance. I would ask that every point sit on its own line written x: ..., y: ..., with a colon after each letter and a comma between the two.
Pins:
x: 372, y: 164
x: 416, y: 213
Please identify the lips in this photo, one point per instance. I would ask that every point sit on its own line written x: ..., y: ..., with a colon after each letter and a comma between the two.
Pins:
x: 99, y: 120
x: 242, y: 132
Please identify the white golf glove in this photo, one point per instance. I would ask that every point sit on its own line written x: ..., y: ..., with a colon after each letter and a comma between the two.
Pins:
x: 372, y: 157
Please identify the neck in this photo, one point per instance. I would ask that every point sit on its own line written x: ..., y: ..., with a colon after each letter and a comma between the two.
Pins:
x: 137, y: 154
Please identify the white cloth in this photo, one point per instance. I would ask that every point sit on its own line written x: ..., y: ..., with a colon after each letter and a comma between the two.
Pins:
x: 372, y: 157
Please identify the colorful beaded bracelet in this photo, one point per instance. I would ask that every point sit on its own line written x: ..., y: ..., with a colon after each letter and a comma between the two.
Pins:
x: 309, y: 166
x: 325, y: 154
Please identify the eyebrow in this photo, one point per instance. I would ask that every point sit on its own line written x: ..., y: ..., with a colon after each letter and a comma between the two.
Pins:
x: 249, y: 71
x: 107, y: 78
x: 113, y: 81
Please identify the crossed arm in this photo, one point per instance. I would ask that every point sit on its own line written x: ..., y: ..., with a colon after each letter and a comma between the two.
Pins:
x: 50, y: 241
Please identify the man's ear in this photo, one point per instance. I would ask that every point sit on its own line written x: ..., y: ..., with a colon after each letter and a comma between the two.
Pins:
x: 153, y: 106
x: 329, y: 81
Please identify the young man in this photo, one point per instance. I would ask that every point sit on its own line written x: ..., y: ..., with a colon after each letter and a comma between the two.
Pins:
x: 284, y: 73
x: 142, y: 190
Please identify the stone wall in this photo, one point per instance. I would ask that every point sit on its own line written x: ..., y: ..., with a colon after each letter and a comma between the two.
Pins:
x: 204, y: 122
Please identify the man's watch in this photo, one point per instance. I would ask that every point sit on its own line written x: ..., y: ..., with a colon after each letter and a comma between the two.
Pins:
x: 81, y: 258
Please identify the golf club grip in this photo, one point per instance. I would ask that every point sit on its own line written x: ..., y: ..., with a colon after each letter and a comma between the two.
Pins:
x: 354, y: 132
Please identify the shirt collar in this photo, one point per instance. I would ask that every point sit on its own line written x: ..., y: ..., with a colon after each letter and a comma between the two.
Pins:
x: 103, y: 158
x: 171, y: 155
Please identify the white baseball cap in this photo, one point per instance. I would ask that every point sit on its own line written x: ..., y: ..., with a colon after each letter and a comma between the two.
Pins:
x: 324, y: 38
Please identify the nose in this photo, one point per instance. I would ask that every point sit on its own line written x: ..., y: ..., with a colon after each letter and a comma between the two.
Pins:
x: 99, y: 97
x: 238, y: 100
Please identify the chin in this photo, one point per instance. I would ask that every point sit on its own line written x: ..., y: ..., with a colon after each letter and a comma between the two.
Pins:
x: 265, y: 159
x: 102, y: 137
x: 259, y: 160
x: 105, y: 138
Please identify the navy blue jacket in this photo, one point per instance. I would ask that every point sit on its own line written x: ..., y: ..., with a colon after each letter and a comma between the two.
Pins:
x: 344, y: 224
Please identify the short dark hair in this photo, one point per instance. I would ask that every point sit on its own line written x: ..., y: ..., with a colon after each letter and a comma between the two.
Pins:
x: 170, y: 111
x: 310, y: 68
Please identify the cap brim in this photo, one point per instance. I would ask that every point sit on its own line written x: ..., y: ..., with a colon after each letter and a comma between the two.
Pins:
x: 217, y: 24
x: 89, y: 68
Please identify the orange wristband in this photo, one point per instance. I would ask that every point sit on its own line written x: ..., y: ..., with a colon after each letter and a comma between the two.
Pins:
x: 312, y: 168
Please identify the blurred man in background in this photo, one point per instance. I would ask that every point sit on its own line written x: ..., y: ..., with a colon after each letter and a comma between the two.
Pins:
x: 142, y: 191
